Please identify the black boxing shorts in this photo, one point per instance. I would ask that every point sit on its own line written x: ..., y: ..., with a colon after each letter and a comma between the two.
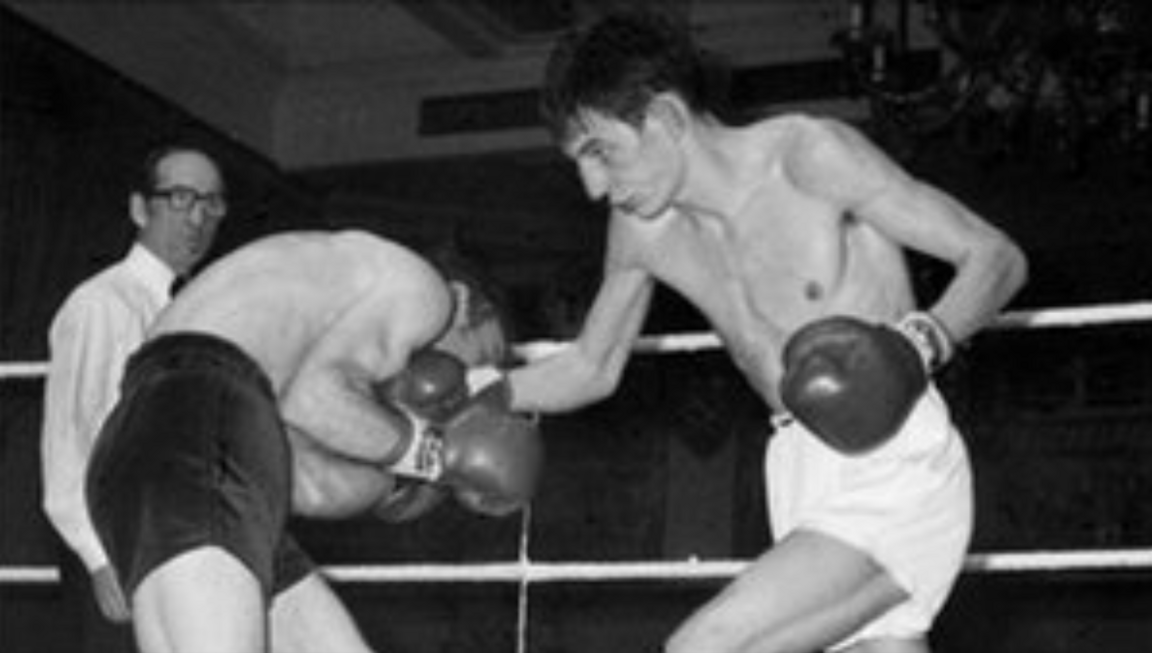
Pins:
x: 194, y: 455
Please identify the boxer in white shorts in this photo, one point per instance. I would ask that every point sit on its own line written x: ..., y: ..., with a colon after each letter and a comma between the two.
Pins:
x: 768, y: 226
x: 907, y: 504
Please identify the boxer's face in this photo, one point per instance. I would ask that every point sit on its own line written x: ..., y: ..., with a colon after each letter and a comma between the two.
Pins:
x: 636, y: 168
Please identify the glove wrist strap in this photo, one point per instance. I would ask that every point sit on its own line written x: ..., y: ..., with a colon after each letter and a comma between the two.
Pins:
x: 483, y: 378
x: 928, y: 335
x: 479, y: 378
x: 423, y: 457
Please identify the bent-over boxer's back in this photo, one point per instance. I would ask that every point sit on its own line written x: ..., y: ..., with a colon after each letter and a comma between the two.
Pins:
x: 275, y: 297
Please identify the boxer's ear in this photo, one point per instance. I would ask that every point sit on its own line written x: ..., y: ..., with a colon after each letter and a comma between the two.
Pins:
x: 138, y: 209
x: 461, y: 303
x: 668, y: 111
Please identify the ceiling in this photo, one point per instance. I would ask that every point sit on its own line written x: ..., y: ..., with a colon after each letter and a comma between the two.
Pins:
x: 340, y: 91
x: 309, y: 35
x: 315, y: 84
x: 300, y: 35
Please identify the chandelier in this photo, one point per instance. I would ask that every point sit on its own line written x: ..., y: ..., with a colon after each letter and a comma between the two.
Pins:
x: 1066, y: 80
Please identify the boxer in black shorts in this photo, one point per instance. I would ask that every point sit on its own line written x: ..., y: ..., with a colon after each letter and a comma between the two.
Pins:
x: 172, y: 475
x: 283, y: 381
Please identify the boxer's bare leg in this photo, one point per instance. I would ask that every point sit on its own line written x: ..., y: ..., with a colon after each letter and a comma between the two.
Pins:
x: 202, y: 600
x: 889, y: 645
x: 806, y: 593
x: 309, y: 617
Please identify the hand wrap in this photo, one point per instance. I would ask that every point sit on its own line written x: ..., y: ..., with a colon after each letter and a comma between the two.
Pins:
x: 931, y: 339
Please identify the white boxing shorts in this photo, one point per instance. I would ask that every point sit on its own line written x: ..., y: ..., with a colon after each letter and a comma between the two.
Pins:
x: 908, y: 504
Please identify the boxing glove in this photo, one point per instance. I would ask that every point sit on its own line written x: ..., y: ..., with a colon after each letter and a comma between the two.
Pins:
x: 486, y: 454
x: 852, y: 383
x: 492, y: 457
x: 427, y: 392
x: 433, y: 385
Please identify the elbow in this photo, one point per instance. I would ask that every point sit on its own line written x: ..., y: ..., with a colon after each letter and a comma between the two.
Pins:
x: 1013, y: 266
x: 55, y: 506
x: 306, y: 501
x: 315, y: 503
x: 998, y: 263
x: 51, y: 508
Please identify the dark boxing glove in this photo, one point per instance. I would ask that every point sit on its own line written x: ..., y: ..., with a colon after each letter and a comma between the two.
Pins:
x: 492, y: 456
x: 433, y: 385
x: 427, y: 392
x: 851, y: 383
x: 489, y: 456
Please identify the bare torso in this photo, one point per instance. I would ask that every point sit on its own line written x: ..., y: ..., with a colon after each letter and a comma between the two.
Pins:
x: 779, y: 260
x: 278, y: 296
x: 325, y: 316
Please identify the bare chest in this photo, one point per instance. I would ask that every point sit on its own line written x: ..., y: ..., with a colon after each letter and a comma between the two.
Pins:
x: 764, y: 268
x: 759, y: 275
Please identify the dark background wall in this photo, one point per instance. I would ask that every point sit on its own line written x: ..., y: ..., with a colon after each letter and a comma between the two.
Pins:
x: 1059, y: 422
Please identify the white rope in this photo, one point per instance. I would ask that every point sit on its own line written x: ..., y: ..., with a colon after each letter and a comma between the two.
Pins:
x: 526, y: 572
x: 1046, y: 318
x: 29, y: 575
x: 23, y: 370
x: 563, y: 572
x: 1032, y: 319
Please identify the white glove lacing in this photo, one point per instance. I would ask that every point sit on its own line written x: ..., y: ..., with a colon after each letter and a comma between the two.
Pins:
x: 930, y: 338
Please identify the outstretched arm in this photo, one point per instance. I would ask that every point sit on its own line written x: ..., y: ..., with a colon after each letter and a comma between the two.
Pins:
x: 589, y: 368
x: 332, y: 396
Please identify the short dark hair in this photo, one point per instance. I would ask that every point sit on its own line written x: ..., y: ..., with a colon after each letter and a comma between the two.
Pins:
x: 488, y: 301
x: 616, y: 66
x: 147, y: 177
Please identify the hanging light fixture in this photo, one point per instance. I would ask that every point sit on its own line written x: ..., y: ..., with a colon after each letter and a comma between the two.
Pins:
x: 1066, y: 79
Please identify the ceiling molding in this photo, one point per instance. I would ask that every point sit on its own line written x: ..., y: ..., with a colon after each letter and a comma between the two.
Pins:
x: 463, y: 28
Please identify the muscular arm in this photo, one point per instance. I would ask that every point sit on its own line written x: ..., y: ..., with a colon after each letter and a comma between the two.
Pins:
x: 589, y: 369
x: 989, y: 268
x: 327, y: 485
x: 332, y: 398
x: 839, y: 164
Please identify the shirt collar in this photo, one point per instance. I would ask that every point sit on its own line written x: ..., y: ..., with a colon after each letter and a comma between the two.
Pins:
x: 155, y: 273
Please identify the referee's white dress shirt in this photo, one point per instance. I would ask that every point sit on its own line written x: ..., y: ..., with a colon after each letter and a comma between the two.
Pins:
x: 93, y: 333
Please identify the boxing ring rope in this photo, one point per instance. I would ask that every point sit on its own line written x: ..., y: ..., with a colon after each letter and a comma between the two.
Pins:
x: 1101, y: 314
x: 525, y: 571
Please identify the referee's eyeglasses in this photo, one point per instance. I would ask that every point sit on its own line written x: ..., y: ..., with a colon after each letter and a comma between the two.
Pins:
x: 183, y: 198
